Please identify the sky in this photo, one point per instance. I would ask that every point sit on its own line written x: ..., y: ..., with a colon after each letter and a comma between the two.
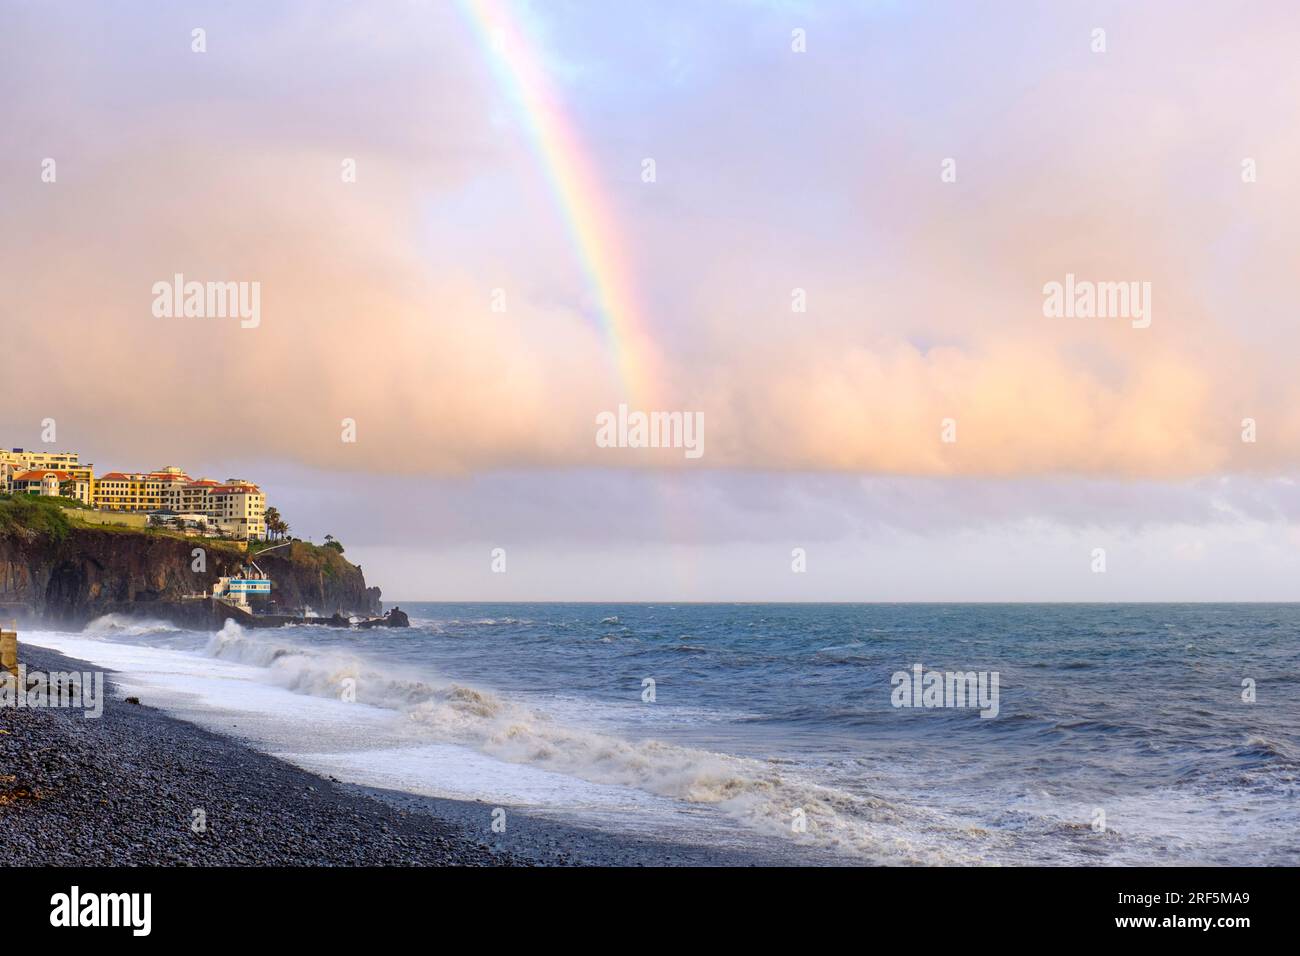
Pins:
x: 839, y: 264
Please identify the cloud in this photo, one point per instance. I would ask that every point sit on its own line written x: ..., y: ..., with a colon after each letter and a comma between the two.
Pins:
x: 821, y: 174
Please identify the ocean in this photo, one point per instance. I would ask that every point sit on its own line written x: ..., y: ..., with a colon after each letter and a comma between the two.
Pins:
x: 1123, y: 734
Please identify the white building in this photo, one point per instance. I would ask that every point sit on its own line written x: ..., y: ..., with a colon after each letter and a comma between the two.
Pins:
x: 52, y: 484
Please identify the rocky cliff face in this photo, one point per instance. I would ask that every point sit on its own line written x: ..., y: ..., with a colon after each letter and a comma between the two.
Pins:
x: 305, y: 577
x: 70, y: 579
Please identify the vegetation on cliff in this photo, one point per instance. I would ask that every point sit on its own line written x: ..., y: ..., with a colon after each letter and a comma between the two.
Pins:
x: 308, y: 557
x: 28, y: 513
x: 54, y: 518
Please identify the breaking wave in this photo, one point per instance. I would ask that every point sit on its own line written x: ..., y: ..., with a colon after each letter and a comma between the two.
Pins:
x: 121, y: 625
x: 770, y: 715
x: 765, y: 795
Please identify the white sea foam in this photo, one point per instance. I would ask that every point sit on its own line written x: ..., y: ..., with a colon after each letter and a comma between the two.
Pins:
x: 268, y: 686
x: 119, y: 625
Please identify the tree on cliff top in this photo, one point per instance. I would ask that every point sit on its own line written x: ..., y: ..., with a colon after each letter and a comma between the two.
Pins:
x: 275, y: 525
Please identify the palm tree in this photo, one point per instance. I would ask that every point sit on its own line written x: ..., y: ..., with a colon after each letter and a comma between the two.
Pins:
x: 274, y: 523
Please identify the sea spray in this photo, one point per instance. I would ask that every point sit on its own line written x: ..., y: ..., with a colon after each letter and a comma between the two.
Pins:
x: 121, y: 625
x: 774, y: 703
x: 757, y: 793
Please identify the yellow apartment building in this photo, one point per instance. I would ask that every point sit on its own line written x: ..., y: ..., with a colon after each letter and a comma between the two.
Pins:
x: 26, y: 460
x: 136, y: 491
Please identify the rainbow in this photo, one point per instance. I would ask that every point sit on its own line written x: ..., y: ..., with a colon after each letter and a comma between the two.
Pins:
x: 590, y: 221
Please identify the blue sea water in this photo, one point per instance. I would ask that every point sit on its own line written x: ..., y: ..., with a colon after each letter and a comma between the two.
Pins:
x: 1121, y: 734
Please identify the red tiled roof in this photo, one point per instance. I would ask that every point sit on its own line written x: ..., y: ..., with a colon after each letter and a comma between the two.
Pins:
x: 38, y: 475
x: 140, y: 476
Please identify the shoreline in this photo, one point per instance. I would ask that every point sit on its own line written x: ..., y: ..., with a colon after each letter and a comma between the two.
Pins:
x: 122, y: 789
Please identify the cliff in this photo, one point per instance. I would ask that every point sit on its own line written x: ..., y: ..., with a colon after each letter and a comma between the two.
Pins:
x: 57, y: 571
x: 306, y: 576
